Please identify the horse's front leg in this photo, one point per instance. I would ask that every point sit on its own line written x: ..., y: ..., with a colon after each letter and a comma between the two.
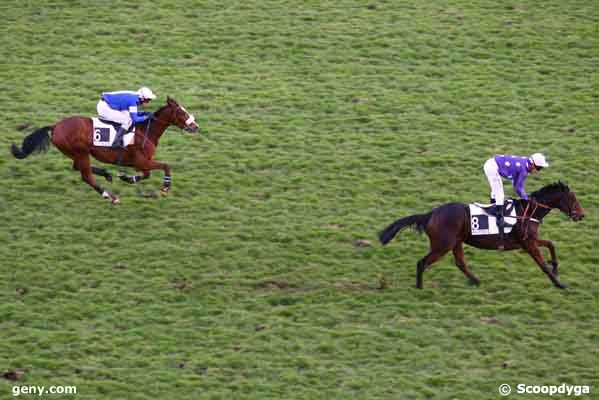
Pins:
x: 102, y: 172
x: 134, y: 178
x: 143, y: 164
x: 533, y: 249
x: 553, y: 261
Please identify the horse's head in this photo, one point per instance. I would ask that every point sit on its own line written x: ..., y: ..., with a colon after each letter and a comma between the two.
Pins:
x: 558, y: 195
x: 178, y: 115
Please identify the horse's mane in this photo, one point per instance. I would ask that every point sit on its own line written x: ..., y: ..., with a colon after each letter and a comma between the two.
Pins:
x: 161, y: 109
x: 558, y: 186
x: 169, y: 101
x: 157, y: 112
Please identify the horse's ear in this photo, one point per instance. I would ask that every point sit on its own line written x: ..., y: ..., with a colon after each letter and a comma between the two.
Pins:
x: 169, y: 99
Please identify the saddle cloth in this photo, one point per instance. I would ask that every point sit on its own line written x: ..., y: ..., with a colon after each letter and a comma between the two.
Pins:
x: 483, y: 223
x: 105, y: 132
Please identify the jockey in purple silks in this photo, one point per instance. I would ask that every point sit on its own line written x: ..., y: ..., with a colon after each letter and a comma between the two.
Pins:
x: 515, y: 169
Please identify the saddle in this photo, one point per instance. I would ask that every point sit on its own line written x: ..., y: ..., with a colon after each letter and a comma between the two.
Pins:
x: 116, y: 125
x: 104, y: 133
x: 484, y: 222
x: 490, y: 209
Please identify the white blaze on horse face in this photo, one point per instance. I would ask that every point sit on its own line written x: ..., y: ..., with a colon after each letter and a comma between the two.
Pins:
x: 191, y: 119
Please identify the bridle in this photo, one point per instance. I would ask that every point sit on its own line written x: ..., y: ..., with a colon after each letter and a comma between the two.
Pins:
x: 527, y: 216
x: 190, y: 119
x: 164, y: 121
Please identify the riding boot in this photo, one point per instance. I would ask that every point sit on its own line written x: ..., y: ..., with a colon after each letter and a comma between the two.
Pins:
x: 118, y: 140
x: 500, y: 223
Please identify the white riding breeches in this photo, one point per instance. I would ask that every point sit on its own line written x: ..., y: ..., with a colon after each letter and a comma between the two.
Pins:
x: 492, y: 172
x: 122, y: 117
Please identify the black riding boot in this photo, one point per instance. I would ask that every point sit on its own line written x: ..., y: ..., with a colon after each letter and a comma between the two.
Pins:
x: 500, y: 223
x: 118, y: 140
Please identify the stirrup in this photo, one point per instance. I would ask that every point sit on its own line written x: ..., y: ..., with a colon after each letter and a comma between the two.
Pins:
x: 501, y: 229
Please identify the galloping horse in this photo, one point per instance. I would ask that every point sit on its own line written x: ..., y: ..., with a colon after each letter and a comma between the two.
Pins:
x: 73, y: 136
x: 448, y: 226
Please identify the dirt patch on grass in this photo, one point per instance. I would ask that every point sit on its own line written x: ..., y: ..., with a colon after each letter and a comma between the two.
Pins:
x: 490, y: 320
x: 275, y: 284
x: 362, y: 243
x: 15, y: 374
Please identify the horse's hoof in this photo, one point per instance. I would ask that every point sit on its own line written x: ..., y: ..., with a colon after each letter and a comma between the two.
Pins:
x: 116, y: 201
x: 561, y: 286
x: 474, y: 282
x: 164, y: 191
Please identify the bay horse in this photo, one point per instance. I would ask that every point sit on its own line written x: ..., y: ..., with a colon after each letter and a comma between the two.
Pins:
x: 448, y: 227
x: 73, y: 136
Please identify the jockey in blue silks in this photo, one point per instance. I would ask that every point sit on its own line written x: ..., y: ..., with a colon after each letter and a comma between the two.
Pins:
x: 122, y: 107
x: 515, y: 169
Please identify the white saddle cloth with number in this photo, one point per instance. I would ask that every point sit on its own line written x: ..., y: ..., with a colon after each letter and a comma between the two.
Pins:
x: 104, y: 134
x: 483, y: 223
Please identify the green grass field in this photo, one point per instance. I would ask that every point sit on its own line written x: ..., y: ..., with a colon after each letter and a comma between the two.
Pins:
x: 323, y: 122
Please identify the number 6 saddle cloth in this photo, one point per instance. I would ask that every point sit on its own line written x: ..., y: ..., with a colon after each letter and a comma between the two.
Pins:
x: 105, y: 131
x: 484, y: 222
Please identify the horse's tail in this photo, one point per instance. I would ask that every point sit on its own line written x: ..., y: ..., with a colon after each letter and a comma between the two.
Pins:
x: 37, y: 142
x: 420, y: 220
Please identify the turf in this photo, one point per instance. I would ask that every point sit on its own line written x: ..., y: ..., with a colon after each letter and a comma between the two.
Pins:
x: 322, y: 123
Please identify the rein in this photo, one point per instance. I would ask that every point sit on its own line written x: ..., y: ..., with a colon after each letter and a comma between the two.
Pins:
x: 146, y: 133
x: 147, y: 130
x: 527, y: 218
x: 164, y: 121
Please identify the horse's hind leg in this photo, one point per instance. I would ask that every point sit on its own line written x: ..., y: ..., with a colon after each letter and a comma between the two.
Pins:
x: 440, y: 245
x: 84, y: 166
x: 97, y: 171
x: 432, y: 257
x: 460, y: 262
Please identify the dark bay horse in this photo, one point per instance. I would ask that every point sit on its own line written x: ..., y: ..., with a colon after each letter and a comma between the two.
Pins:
x: 73, y: 136
x: 448, y: 227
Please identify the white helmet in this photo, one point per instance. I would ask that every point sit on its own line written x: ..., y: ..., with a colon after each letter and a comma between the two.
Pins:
x: 539, y: 160
x: 145, y: 93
